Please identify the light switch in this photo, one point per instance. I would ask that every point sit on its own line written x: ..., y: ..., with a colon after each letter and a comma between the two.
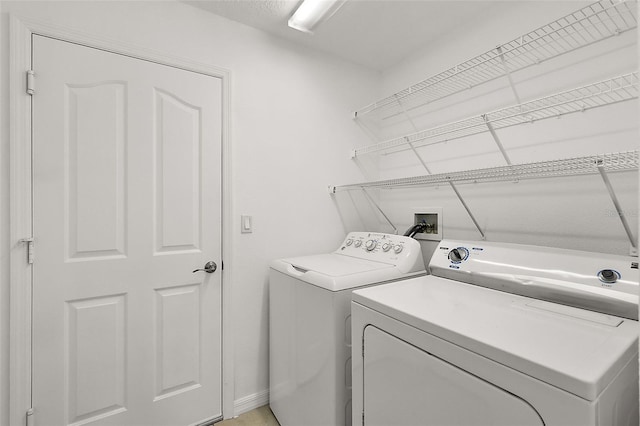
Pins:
x: 246, y: 225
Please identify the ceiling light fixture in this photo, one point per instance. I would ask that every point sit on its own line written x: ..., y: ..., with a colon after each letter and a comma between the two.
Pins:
x: 311, y: 12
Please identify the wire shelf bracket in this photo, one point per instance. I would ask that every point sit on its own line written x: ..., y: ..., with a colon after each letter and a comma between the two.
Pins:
x: 372, y: 201
x: 619, y: 211
x: 415, y: 128
x: 507, y: 74
x: 466, y: 207
x: 496, y: 139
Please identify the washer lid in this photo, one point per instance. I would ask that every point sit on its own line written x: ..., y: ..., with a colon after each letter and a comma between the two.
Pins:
x: 573, y: 349
x: 337, y: 272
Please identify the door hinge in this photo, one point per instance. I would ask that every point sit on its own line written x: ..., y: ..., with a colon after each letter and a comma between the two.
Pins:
x: 29, y: 417
x: 31, y: 82
x: 30, y: 249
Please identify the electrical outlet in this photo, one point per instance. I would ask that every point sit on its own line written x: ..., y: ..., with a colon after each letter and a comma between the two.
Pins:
x: 432, y: 216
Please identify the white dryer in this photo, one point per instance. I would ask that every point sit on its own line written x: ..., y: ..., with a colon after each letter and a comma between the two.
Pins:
x: 500, y: 334
x: 310, y: 323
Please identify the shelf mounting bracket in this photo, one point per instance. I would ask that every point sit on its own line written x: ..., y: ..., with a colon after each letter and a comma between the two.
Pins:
x: 507, y: 73
x: 464, y: 204
x: 496, y: 138
x: 616, y: 204
x: 366, y: 129
x: 415, y: 129
x: 418, y: 156
x: 466, y: 207
x: 370, y: 198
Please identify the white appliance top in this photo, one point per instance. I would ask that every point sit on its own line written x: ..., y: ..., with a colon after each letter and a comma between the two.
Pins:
x: 573, y: 349
x: 363, y: 258
x: 595, y: 281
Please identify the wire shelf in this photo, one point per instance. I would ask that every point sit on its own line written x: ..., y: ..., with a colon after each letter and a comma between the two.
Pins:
x: 586, y: 26
x: 602, y: 93
x: 611, y: 162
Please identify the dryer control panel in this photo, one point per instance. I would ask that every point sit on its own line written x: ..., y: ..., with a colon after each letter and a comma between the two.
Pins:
x: 595, y: 281
x: 400, y: 251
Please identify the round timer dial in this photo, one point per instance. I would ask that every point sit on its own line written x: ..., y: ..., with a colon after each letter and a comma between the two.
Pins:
x: 608, y: 276
x: 458, y: 254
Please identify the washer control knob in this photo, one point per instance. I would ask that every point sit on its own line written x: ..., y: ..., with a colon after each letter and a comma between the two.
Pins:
x: 608, y: 276
x: 371, y: 244
x: 358, y: 243
x: 386, y: 247
x: 458, y: 254
x: 349, y: 242
x: 397, y: 249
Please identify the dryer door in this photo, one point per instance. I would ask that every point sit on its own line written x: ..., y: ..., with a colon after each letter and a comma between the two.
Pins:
x: 405, y: 385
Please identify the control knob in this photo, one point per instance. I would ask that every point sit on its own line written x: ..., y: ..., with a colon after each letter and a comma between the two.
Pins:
x: 608, y: 276
x: 358, y: 243
x: 371, y: 244
x: 458, y: 254
x: 397, y: 249
x: 386, y: 247
x: 349, y: 242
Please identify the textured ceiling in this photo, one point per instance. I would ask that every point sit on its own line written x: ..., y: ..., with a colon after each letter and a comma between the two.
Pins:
x: 375, y: 33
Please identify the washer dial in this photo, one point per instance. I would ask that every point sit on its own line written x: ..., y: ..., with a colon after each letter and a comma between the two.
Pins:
x: 370, y: 245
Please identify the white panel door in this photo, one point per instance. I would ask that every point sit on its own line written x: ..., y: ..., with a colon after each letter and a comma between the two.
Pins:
x: 407, y: 386
x: 127, y: 202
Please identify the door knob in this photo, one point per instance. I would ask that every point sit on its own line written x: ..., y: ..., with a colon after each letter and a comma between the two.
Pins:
x: 209, y: 267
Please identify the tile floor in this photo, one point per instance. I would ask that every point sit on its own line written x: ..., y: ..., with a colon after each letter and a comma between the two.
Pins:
x: 259, y: 417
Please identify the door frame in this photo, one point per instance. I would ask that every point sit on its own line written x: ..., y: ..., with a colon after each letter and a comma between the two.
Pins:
x: 20, y: 199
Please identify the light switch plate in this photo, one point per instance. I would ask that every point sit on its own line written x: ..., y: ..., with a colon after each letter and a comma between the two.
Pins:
x: 246, y: 224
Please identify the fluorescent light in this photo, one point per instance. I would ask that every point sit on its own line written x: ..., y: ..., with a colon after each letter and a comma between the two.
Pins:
x: 311, y: 12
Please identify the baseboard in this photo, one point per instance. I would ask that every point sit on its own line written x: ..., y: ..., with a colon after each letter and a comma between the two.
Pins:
x: 250, y: 402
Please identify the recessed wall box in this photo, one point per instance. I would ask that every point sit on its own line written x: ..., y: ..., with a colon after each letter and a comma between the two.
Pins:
x: 432, y: 216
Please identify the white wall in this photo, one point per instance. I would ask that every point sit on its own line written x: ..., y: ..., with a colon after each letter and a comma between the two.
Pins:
x: 291, y: 130
x: 565, y: 212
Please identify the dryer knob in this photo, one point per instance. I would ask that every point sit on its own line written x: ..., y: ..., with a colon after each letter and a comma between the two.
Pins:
x: 358, y: 243
x: 397, y: 249
x: 458, y: 254
x: 349, y: 242
x: 608, y: 276
x: 386, y: 247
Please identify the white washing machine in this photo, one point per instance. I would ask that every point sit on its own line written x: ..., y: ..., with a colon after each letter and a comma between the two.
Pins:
x: 500, y: 334
x: 310, y: 323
